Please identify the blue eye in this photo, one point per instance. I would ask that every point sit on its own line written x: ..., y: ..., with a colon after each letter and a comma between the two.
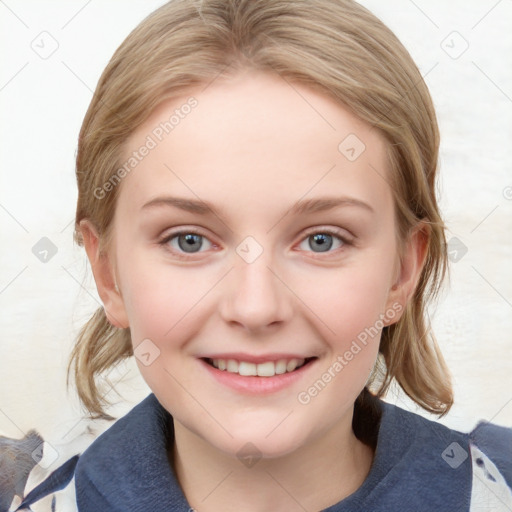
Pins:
x: 323, y: 241
x: 187, y: 242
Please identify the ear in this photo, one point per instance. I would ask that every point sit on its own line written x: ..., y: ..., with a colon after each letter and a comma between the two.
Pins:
x: 104, y: 276
x: 408, y: 270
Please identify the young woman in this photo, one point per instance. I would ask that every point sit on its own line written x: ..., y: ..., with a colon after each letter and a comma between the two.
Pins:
x: 257, y: 202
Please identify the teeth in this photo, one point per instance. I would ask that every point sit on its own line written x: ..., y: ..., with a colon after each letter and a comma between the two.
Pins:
x: 291, y: 365
x: 247, y: 368
x: 267, y: 369
x: 281, y: 367
x: 232, y: 366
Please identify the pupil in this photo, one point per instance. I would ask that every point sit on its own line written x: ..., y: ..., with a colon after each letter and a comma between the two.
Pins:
x: 324, y: 240
x: 192, y: 242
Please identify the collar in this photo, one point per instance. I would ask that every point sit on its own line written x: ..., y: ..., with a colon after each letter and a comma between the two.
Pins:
x: 127, y: 468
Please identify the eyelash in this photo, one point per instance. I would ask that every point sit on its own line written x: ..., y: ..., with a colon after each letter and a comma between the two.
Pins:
x: 345, y: 240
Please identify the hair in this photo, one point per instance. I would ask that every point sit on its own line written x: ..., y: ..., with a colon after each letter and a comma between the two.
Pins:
x: 336, y: 47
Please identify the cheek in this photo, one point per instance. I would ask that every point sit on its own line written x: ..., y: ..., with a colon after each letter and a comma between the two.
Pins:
x: 350, y: 305
x: 163, y: 305
x: 157, y: 296
x: 349, y: 300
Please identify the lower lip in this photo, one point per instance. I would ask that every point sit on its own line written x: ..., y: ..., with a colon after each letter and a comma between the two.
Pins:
x: 257, y: 385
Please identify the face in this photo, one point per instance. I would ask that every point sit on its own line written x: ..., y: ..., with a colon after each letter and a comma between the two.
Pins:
x: 256, y: 236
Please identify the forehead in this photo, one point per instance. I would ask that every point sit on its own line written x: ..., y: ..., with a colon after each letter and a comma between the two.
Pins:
x: 255, y: 138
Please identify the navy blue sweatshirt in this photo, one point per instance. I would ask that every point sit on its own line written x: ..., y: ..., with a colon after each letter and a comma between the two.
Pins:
x: 419, y: 465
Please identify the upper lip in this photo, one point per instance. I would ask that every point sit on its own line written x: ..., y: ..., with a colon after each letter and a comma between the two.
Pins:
x: 256, y: 359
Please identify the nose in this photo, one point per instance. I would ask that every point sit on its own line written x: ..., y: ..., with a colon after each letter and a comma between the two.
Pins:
x: 256, y: 298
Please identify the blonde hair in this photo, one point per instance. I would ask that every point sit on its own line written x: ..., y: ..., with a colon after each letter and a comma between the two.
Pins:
x: 335, y: 46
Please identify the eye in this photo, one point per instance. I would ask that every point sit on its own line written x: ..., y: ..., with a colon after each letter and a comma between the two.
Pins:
x: 324, y: 240
x: 186, y: 242
x: 183, y: 243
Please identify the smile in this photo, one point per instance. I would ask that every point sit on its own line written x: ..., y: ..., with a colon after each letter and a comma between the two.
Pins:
x: 257, y: 375
x: 264, y: 369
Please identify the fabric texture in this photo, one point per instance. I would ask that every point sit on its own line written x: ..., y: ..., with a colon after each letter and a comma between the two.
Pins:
x: 419, y: 465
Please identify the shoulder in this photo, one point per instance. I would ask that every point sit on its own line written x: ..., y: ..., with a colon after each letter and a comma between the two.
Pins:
x: 481, y: 458
x: 496, y: 442
x: 111, y: 448
x: 491, y: 453
x: 112, y: 474
x: 422, y: 464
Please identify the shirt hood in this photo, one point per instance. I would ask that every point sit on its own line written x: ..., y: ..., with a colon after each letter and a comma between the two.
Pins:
x: 419, y: 465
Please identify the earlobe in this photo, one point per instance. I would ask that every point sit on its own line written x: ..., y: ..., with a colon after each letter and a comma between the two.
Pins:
x: 409, y: 268
x: 104, y: 276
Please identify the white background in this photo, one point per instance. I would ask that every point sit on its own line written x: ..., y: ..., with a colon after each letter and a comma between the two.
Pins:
x: 43, y: 102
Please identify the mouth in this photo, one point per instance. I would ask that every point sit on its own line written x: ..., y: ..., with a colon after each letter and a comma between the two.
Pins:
x: 264, y: 369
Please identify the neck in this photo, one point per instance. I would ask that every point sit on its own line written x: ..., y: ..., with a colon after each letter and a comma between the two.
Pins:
x: 312, y: 477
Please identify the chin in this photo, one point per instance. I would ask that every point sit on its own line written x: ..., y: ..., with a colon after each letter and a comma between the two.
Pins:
x: 256, y: 443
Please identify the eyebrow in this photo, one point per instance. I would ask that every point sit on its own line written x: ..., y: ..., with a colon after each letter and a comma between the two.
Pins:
x: 304, y: 206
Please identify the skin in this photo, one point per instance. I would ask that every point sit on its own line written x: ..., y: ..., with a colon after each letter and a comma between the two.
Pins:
x: 253, y: 147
